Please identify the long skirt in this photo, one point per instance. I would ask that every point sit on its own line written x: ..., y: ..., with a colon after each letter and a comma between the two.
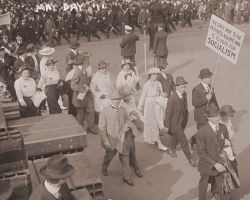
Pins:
x: 30, y: 110
x: 153, y: 123
x: 53, y: 96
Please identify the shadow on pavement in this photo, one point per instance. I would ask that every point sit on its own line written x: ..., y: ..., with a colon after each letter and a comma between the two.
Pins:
x: 244, y: 166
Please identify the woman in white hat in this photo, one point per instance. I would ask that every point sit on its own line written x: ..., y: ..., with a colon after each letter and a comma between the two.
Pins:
x: 46, y: 53
x: 151, y: 92
x: 50, y: 79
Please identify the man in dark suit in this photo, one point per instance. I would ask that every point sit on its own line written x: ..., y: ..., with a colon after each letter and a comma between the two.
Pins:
x: 210, y: 143
x: 202, y: 95
x: 176, y: 118
x: 20, y: 61
x: 160, y: 49
x: 166, y: 80
x: 54, y: 187
x: 82, y: 97
x: 128, y: 44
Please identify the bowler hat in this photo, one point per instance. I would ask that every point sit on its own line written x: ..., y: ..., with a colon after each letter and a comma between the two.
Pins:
x: 74, y: 44
x: 126, y: 92
x: 21, y: 51
x: 212, y: 110
x: 227, y: 110
x: 153, y: 70
x: 51, y: 61
x: 102, y: 64
x: 5, y: 190
x: 57, y: 167
x: 180, y: 81
x: 205, y: 73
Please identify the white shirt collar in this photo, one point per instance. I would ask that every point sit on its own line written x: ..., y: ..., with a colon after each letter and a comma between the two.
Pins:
x: 213, y: 126
x: 73, y: 51
x: 205, y: 86
x: 52, y: 189
x: 179, y: 94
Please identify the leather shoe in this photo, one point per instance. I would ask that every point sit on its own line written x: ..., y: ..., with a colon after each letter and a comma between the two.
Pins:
x: 138, y: 173
x: 171, y: 153
x: 104, y: 172
x: 129, y: 182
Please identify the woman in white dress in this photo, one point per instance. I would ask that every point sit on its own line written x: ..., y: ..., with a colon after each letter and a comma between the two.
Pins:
x: 151, y: 93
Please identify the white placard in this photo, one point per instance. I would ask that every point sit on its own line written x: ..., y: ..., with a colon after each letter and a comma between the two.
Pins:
x: 224, y: 39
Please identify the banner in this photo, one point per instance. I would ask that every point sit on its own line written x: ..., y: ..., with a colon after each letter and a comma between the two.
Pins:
x: 5, y: 19
x: 224, y: 39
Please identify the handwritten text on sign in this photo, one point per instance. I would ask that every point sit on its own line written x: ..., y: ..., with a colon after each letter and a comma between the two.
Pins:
x: 224, y: 39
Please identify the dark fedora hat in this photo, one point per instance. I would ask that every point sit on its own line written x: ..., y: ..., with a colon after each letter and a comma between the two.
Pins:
x: 74, y: 44
x: 21, y: 50
x: 5, y: 190
x: 212, y: 110
x: 102, y: 64
x: 180, y: 81
x: 57, y: 167
x: 227, y: 110
x: 205, y: 73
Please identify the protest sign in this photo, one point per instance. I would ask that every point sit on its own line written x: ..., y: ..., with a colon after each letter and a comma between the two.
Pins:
x: 224, y: 39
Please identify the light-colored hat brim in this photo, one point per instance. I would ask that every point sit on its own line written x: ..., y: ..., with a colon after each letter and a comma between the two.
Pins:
x: 47, y: 53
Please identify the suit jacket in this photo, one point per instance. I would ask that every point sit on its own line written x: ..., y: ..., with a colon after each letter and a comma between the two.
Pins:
x: 128, y: 44
x: 40, y: 193
x: 200, y: 102
x: 160, y: 46
x: 176, y: 114
x: 17, y: 66
x: 31, y: 63
x: 168, y: 85
x: 210, y: 146
x: 80, y: 83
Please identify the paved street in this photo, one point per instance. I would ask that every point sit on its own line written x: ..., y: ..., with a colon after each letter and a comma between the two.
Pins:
x: 165, y: 178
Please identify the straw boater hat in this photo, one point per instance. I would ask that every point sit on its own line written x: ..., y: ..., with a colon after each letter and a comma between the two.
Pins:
x: 205, y: 73
x: 57, y: 168
x: 227, y: 110
x: 128, y: 28
x: 212, y: 110
x: 46, y: 51
x: 180, y: 81
x: 154, y: 70
x: 102, y: 64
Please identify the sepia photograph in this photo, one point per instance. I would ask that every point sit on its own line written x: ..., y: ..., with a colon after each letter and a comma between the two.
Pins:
x: 124, y: 99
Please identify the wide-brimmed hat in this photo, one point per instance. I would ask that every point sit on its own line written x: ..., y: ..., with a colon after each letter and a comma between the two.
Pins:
x: 30, y: 47
x: 57, y: 167
x: 5, y: 190
x: 227, y: 110
x: 74, y: 44
x: 205, y: 73
x: 128, y: 28
x: 126, y: 92
x: 115, y: 95
x: 153, y: 70
x: 21, y: 50
x: 46, y: 51
x: 51, y: 61
x: 102, y: 64
x: 212, y: 110
x: 180, y: 81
